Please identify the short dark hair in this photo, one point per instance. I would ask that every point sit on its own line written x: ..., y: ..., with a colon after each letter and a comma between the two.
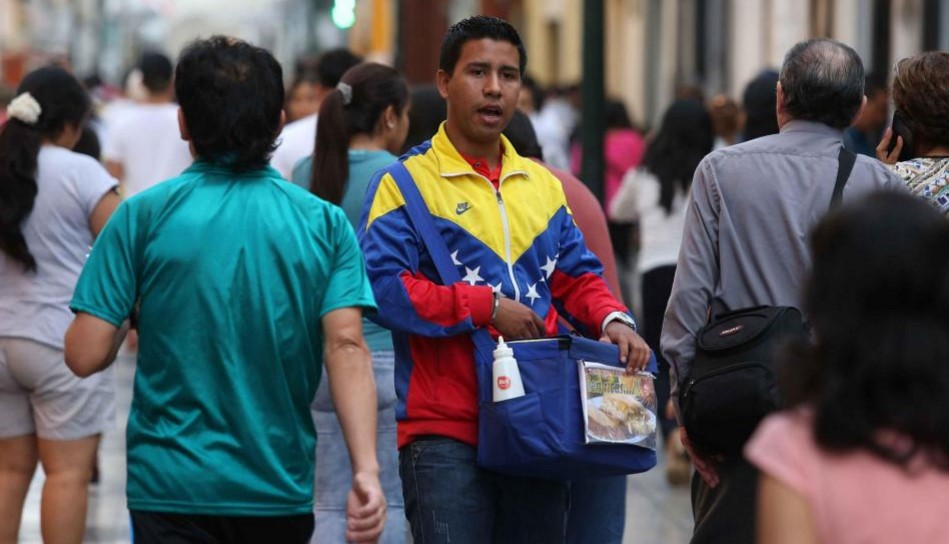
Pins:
x: 878, y: 302
x: 333, y: 64
x: 921, y: 92
x: 428, y: 111
x: 156, y: 71
x: 476, y: 28
x: 520, y: 132
x: 231, y: 94
x: 759, y: 101
x: 822, y: 81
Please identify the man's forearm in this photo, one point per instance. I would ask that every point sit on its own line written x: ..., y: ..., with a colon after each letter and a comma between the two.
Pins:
x: 349, y: 369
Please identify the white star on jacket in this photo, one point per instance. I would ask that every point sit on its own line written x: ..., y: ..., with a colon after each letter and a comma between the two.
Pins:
x: 548, y: 268
x: 472, y: 276
x: 532, y: 293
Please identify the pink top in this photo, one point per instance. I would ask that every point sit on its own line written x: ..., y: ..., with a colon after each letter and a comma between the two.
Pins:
x: 856, y: 497
x: 623, y: 149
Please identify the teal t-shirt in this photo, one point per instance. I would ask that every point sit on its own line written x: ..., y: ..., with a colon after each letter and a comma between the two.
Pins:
x: 233, y: 273
x: 363, y: 165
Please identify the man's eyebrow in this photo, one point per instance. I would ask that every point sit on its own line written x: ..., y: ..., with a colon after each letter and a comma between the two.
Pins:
x: 478, y: 64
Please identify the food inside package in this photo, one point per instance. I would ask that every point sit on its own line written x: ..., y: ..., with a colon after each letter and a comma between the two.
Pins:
x: 619, y: 407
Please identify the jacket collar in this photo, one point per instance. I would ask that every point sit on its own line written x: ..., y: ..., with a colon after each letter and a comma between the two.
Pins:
x: 451, y: 164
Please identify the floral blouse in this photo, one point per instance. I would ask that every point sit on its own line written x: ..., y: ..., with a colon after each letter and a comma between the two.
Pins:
x: 927, y: 178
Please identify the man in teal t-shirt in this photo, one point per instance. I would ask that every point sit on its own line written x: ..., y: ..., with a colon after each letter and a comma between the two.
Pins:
x: 243, y: 282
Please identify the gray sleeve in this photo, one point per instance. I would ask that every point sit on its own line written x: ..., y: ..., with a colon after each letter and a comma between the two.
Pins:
x: 697, y: 274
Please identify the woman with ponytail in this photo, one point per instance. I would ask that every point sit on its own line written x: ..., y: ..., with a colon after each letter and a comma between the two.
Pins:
x: 53, y: 202
x: 361, y: 127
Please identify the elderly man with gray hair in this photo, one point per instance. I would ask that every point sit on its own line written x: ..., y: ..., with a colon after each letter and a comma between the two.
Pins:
x: 745, y: 242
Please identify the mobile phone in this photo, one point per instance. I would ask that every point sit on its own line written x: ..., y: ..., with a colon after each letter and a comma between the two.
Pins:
x: 901, y: 128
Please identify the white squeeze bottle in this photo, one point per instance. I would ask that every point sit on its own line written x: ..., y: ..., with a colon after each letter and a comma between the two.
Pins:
x: 507, y: 377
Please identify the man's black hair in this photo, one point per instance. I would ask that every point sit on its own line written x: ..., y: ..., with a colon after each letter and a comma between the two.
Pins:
x: 156, y: 72
x: 822, y: 81
x: 231, y: 94
x: 477, y: 28
x: 333, y: 64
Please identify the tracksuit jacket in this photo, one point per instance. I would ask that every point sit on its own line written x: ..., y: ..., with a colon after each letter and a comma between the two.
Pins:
x: 520, y: 240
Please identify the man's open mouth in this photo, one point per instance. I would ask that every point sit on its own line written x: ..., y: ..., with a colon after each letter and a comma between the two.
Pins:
x: 491, y: 113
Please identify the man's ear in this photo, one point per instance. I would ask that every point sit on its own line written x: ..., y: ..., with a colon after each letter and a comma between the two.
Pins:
x: 779, y: 102
x: 283, y: 121
x: 183, y: 126
x: 441, y: 81
x: 863, y: 107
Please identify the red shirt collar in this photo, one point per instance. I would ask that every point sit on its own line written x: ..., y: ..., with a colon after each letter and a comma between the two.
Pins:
x: 480, y: 166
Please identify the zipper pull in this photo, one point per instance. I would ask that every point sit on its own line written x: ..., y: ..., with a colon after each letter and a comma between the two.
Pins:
x: 498, y: 193
x: 688, y: 388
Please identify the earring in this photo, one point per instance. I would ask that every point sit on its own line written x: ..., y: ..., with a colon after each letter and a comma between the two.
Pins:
x: 391, y: 125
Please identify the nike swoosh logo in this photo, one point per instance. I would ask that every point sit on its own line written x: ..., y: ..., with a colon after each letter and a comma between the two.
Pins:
x: 462, y: 208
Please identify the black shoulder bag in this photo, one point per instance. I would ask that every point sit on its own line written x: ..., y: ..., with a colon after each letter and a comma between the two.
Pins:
x: 733, y: 382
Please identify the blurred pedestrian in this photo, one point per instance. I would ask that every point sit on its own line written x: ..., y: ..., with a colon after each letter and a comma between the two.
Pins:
x: 656, y: 195
x: 864, y: 134
x: 302, y: 98
x: 296, y: 140
x: 145, y: 147
x: 623, y: 149
x: 484, y: 198
x: 54, y: 203
x: 759, y: 102
x: 427, y: 113
x: 861, y: 453
x: 245, y: 285
x: 921, y: 94
x: 744, y: 245
x: 362, y: 125
x: 726, y: 120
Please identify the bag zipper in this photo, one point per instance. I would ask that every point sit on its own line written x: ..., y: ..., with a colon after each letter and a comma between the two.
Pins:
x: 716, y: 372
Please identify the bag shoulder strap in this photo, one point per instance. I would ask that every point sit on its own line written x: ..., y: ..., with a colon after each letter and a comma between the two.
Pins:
x: 845, y: 161
x: 421, y: 218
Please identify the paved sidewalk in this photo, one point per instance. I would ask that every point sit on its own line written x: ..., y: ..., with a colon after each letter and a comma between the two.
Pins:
x: 656, y: 513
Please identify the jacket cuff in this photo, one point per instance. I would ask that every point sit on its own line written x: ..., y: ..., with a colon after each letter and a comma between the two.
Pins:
x: 480, y: 302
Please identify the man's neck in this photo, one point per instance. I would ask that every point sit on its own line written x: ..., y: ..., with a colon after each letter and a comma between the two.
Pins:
x: 158, y: 98
x: 490, y: 152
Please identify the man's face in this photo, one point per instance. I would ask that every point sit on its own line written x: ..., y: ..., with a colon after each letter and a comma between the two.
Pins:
x: 482, y: 91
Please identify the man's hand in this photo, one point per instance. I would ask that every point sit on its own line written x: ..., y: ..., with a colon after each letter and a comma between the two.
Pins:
x: 893, y: 157
x: 633, y: 350
x: 705, y: 467
x: 515, y: 320
x: 365, y: 509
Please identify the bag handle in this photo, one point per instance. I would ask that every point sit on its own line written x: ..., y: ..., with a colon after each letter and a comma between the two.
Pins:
x: 421, y: 218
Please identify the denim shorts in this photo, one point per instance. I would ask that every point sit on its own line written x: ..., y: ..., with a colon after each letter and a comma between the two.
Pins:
x: 333, y: 469
x: 40, y: 395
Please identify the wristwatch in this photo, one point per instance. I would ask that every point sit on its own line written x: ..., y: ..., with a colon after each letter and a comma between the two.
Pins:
x: 622, y: 317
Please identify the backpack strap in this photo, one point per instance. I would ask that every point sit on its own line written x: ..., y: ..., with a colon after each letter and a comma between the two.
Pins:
x: 421, y: 218
x: 845, y: 161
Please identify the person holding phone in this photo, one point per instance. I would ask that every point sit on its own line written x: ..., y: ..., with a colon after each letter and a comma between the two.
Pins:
x: 916, y: 146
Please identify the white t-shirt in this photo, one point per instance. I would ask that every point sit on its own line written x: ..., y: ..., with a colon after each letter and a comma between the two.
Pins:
x: 296, y: 142
x: 660, y: 232
x: 146, y: 141
x: 36, y: 305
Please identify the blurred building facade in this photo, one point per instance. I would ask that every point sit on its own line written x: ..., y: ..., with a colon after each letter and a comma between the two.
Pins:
x: 651, y: 46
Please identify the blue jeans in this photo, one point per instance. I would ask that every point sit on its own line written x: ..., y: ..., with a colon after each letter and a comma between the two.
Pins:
x: 448, y: 498
x: 333, y: 469
x: 597, y: 511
